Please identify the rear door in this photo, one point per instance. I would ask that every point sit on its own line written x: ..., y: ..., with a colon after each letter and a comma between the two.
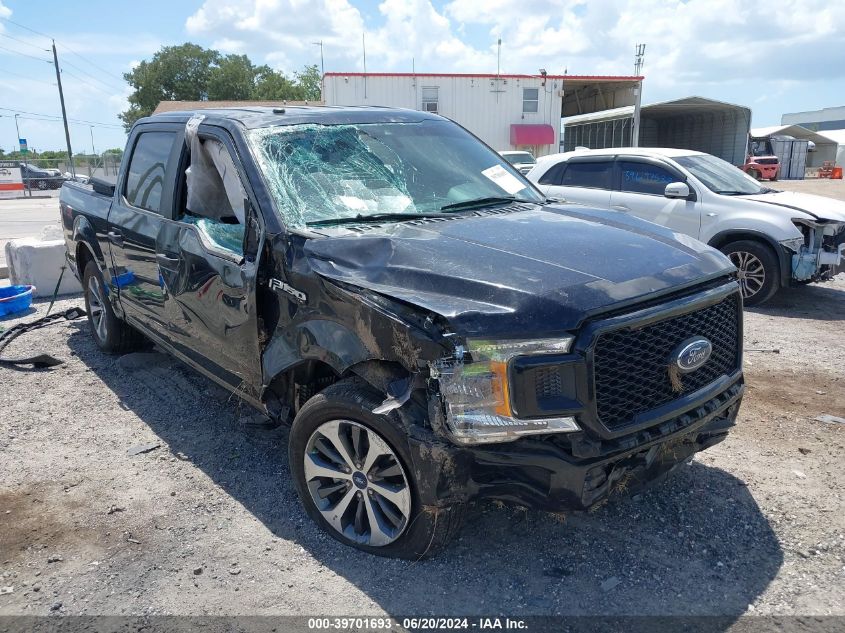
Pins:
x: 586, y: 180
x: 642, y: 182
x: 143, y: 201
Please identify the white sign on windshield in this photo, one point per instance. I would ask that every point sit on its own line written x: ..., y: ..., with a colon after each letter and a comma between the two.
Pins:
x: 504, y: 179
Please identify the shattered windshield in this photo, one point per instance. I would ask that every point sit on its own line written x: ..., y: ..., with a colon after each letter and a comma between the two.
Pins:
x: 320, y: 173
x: 720, y: 176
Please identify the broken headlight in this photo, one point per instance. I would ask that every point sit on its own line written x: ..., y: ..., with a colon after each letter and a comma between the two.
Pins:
x: 477, y: 395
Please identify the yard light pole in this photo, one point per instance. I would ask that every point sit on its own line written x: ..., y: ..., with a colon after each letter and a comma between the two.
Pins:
x: 639, y: 59
x: 93, y: 151
x: 322, y: 66
x: 25, y: 161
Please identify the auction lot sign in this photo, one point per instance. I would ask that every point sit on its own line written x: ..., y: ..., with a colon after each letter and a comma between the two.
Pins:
x: 11, y: 182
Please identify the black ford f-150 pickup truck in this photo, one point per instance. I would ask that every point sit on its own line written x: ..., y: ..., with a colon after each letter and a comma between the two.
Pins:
x: 431, y: 327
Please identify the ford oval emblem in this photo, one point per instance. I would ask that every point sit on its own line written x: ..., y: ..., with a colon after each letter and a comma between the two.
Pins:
x: 692, y: 354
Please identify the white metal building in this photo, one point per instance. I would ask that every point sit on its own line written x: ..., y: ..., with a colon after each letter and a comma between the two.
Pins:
x: 817, y: 120
x: 508, y: 112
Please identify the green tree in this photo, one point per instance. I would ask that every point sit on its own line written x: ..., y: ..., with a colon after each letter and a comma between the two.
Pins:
x: 270, y: 85
x: 180, y: 73
x: 192, y: 73
x: 309, y: 82
x: 232, y: 78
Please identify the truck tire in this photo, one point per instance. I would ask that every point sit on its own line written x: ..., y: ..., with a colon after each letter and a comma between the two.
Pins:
x: 351, y: 471
x: 759, y: 273
x: 110, y: 333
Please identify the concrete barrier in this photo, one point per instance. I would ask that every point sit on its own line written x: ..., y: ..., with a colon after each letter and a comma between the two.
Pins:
x: 39, y: 263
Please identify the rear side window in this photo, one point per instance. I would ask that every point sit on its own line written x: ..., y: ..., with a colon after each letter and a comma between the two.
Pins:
x: 145, y: 178
x: 553, y: 175
x: 644, y: 178
x: 593, y: 174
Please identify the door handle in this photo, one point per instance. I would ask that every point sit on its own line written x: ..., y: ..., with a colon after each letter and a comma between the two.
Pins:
x: 620, y: 207
x: 115, y: 238
x: 166, y: 261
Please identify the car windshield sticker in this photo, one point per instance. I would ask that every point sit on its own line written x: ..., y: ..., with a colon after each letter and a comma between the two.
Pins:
x: 504, y: 179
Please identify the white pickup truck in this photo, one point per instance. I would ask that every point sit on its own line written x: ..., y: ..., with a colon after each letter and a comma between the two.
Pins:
x: 775, y: 238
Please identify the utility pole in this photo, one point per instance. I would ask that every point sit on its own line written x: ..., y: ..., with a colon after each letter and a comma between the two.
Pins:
x: 639, y: 58
x: 25, y: 162
x: 322, y: 65
x: 64, y: 113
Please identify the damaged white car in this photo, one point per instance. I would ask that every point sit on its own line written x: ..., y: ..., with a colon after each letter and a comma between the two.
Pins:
x: 774, y: 238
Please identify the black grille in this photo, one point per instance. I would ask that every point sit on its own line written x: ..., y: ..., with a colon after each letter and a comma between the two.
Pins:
x: 547, y: 383
x: 631, y: 365
x: 767, y: 161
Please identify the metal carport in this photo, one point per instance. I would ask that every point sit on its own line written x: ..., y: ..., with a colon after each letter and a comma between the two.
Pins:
x: 693, y: 123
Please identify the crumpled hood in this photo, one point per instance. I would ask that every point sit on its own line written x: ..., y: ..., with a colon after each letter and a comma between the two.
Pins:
x: 817, y: 207
x: 535, y: 271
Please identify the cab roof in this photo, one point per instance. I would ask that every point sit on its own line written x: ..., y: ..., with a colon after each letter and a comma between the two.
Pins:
x: 257, y: 116
x: 664, y: 152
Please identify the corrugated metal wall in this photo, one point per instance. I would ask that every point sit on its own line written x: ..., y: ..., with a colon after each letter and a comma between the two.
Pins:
x: 792, y: 154
x: 723, y: 133
x: 598, y: 135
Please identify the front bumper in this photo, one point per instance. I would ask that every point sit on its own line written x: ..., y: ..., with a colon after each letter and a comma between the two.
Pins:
x: 553, y: 473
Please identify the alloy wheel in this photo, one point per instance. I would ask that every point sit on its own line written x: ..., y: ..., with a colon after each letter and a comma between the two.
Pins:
x: 752, y: 273
x: 96, y: 308
x: 357, y: 482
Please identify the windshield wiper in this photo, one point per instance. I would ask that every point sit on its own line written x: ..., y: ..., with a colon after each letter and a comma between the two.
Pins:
x: 477, y: 202
x: 375, y: 217
x: 728, y: 192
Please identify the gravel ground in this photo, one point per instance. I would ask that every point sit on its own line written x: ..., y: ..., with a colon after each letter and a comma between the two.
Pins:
x: 209, y: 523
x: 818, y: 186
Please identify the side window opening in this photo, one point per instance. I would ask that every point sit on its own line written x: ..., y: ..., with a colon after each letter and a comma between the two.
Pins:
x: 645, y: 178
x: 592, y: 174
x: 554, y: 175
x: 214, y: 199
x: 147, y: 167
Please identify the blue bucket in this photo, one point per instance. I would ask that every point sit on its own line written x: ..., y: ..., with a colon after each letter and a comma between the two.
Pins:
x: 15, y: 299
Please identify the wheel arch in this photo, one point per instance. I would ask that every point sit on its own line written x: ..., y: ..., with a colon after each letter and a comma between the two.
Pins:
x: 724, y: 238
x: 297, y: 383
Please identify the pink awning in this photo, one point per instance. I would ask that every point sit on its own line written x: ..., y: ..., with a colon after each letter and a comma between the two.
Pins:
x: 532, y: 134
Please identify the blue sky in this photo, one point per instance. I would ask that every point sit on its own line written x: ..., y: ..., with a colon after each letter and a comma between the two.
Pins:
x: 775, y: 57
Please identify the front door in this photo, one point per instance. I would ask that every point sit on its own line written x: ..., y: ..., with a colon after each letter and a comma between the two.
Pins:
x: 641, y: 193
x: 207, y: 259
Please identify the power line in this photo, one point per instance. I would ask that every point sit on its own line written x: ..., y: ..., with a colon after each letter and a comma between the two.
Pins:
x: 100, y: 68
x: 41, y: 81
x: 100, y: 123
x: 41, y: 59
x: 17, y: 39
x: 59, y: 120
x: 65, y: 62
x: 69, y: 49
x: 87, y: 83
x: 26, y: 28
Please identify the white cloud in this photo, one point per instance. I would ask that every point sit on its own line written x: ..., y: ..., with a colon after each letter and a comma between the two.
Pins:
x: 280, y: 32
x: 690, y: 43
